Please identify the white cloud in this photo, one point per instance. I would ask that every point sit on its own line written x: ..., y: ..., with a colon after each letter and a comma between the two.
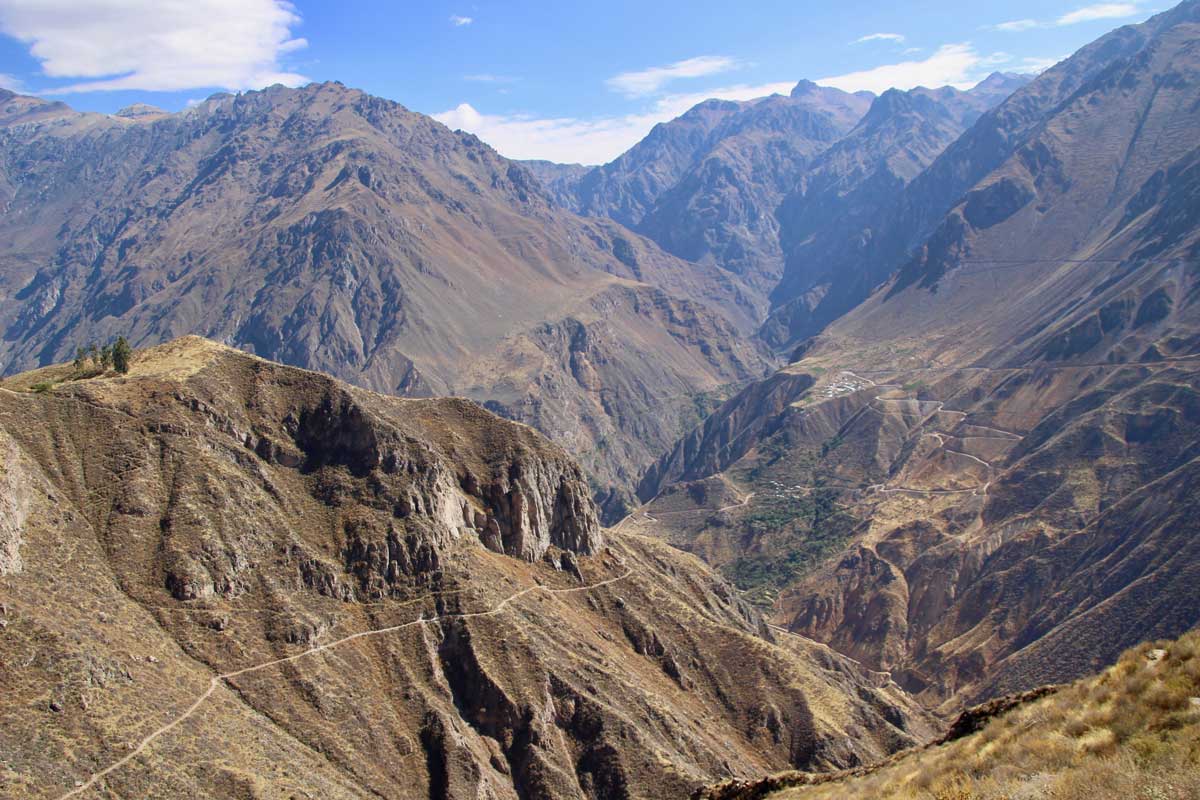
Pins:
x: 649, y: 81
x: 587, y: 141
x: 880, y: 37
x: 1098, y: 11
x: 157, y: 45
x: 11, y: 82
x: 1016, y: 25
x: 952, y: 65
x: 487, y: 77
x: 458, y: 21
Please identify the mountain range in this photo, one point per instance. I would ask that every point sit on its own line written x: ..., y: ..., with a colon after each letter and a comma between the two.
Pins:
x: 801, y: 434
x: 338, y: 231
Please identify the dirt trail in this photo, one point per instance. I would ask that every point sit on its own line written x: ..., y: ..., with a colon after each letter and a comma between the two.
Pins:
x: 741, y: 504
x: 216, y: 680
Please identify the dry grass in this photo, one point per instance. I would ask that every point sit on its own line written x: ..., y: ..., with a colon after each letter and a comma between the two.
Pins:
x: 1131, y: 733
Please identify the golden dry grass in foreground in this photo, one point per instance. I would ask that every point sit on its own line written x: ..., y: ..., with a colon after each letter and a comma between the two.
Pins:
x: 1132, y: 732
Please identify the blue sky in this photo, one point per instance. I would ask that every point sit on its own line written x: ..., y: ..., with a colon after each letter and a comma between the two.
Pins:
x: 534, y: 78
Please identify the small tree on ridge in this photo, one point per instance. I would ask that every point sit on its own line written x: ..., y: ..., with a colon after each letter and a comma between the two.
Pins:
x: 121, y: 353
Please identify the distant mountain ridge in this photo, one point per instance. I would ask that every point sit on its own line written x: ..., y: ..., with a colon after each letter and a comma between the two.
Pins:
x: 720, y: 184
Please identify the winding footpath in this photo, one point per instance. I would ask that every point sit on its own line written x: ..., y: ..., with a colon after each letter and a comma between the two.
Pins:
x: 217, y: 680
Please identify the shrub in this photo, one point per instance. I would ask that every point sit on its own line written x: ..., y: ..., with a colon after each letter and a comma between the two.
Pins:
x: 121, y: 355
x: 1099, y: 742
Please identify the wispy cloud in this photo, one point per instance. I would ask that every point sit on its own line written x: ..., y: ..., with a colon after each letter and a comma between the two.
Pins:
x: 11, y: 82
x: 487, y: 77
x: 1092, y: 13
x: 588, y: 141
x: 598, y: 140
x: 1016, y: 25
x: 157, y: 46
x: 459, y: 21
x: 1038, y: 64
x: 645, y: 82
x: 952, y: 65
x: 880, y: 37
x: 1099, y: 11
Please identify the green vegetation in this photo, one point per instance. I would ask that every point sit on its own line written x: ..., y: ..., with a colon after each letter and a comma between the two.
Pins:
x: 121, y: 354
x: 798, y: 533
x: 831, y: 445
x: 916, y: 386
x: 703, y: 404
x: 92, y: 361
x: 794, y: 523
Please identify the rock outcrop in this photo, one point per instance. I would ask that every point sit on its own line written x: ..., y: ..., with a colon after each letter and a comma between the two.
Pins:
x: 14, y: 506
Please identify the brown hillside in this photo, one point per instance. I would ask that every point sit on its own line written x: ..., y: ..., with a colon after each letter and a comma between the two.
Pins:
x: 224, y: 577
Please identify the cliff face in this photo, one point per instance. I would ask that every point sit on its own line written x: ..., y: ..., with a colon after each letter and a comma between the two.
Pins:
x: 225, y: 576
x: 14, y: 506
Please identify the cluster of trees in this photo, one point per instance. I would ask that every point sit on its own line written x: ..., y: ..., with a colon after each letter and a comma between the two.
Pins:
x: 115, y: 356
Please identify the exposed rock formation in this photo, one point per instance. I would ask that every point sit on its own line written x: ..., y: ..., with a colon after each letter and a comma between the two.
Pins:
x: 14, y: 506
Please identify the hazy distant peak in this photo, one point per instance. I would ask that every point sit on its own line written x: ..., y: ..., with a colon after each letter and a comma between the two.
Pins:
x: 1001, y: 83
x: 140, y: 111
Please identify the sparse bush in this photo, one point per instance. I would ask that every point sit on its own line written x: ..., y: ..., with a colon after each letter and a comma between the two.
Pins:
x: 1076, y: 728
x: 43, y: 387
x: 1164, y: 697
